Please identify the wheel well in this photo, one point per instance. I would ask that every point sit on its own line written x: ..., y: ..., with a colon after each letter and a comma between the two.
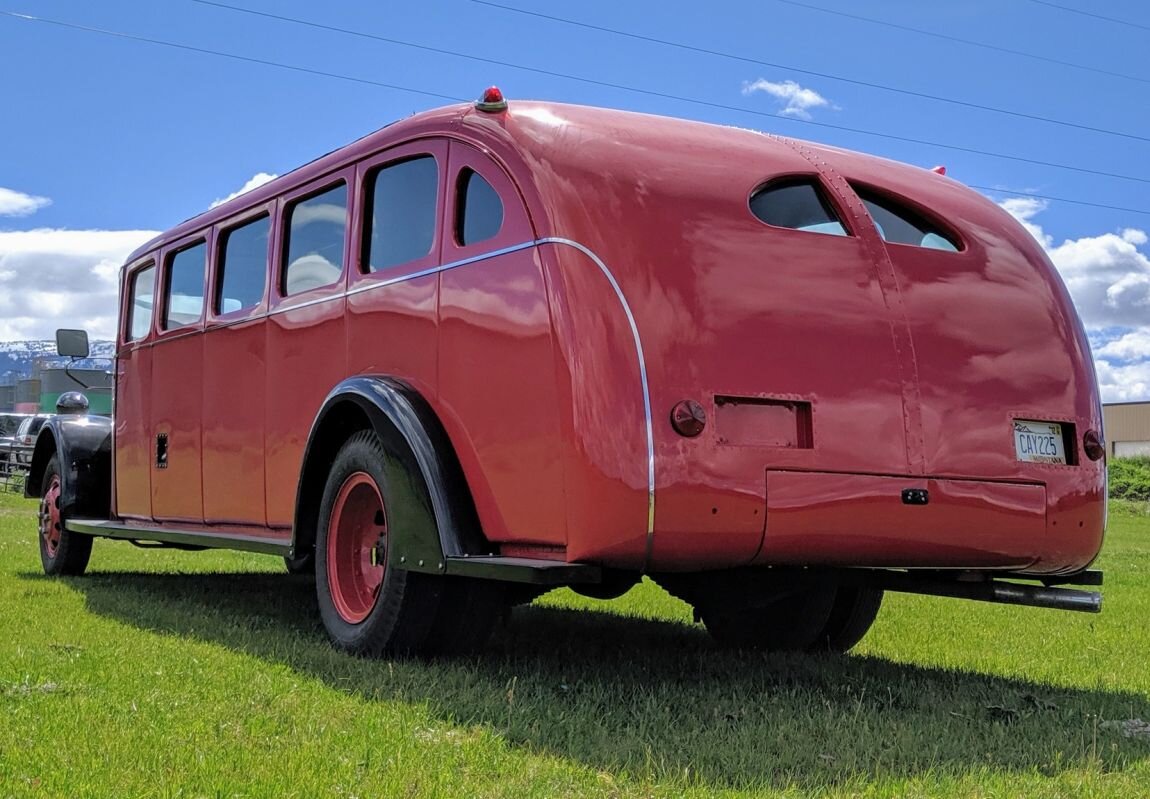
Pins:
x: 337, y: 426
x: 45, y: 449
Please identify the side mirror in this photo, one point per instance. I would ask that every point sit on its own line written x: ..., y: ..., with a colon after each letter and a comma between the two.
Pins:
x: 72, y: 343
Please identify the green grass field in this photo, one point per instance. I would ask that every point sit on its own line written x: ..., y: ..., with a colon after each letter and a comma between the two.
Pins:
x: 166, y: 674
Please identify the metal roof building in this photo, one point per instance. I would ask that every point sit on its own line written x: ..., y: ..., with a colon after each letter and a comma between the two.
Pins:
x: 1127, y: 426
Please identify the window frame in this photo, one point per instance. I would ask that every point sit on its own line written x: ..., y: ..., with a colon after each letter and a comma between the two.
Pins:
x: 822, y: 188
x: 517, y: 228
x: 282, y: 238
x: 247, y: 216
x: 167, y: 254
x: 359, y: 275
x: 130, y: 275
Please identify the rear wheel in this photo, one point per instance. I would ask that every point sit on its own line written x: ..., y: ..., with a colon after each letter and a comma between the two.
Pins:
x: 368, y: 605
x: 62, y: 552
x: 788, y: 624
x: 854, y: 611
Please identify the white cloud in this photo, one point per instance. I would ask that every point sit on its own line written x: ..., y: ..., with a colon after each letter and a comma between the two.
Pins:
x: 62, y: 278
x: 1108, y: 275
x: 17, y: 203
x: 256, y: 180
x: 1109, y: 278
x: 796, y: 101
x: 1131, y: 346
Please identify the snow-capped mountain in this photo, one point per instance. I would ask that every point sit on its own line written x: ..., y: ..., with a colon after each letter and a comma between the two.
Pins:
x: 17, y: 358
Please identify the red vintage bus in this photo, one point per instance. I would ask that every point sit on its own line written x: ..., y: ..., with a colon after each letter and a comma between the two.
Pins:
x: 500, y: 347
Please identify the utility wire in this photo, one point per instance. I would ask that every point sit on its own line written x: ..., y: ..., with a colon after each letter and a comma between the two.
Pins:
x: 825, y: 75
x: 234, y: 56
x: 337, y: 76
x: 1058, y: 199
x: 666, y: 96
x: 1115, y: 20
x: 970, y: 42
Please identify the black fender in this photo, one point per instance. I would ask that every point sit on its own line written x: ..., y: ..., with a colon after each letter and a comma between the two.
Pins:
x: 435, y: 516
x: 83, y: 447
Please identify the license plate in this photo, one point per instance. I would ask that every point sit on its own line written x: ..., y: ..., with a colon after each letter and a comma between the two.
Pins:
x: 1039, y: 442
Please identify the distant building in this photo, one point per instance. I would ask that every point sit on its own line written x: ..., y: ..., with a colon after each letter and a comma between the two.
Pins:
x: 1127, y: 426
x: 54, y: 382
x: 27, y: 396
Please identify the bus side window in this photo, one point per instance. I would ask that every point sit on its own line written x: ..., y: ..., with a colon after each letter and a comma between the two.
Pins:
x: 140, y: 306
x: 799, y: 205
x: 313, y: 255
x: 401, y: 213
x: 184, y: 291
x: 478, y: 209
x: 242, y: 261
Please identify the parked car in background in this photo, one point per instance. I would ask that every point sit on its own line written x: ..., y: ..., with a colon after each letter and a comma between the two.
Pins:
x: 25, y: 438
x: 9, y: 424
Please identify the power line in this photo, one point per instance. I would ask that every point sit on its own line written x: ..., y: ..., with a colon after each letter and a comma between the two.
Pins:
x: 970, y: 42
x: 1115, y: 20
x: 825, y: 75
x: 666, y: 96
x: 234, y: 56
x: 396, y: 87
x: 1059, y: 199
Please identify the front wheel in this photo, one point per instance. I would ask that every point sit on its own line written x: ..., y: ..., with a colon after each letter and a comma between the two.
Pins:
x: 62, y: 552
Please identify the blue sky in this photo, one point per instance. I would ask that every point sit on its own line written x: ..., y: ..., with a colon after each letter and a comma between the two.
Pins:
x: 105, y: 138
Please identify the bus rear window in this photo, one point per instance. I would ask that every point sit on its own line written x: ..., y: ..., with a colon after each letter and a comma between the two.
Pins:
x: 900, y: 225
x: 316, y: 226
x: 798, y: 205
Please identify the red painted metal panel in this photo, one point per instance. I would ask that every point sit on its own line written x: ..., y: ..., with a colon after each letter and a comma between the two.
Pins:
x: 497, y: 371
x: 233, y: 423
x: 176, y: 406
x: 133, y: 449
x: 235, y: 366
x: 861, y: 520
x: 307, y: 347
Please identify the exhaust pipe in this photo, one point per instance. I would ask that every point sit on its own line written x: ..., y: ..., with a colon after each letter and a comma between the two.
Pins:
x: 989, y: 590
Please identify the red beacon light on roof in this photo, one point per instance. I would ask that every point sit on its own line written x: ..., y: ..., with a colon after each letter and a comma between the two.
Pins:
x: 939, y: 170
x: 492, y: 100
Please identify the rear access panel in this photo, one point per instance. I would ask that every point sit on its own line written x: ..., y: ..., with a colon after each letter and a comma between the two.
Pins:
x: 824, y: 518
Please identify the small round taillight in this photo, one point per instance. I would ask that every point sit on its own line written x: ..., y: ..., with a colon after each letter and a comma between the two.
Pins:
x: 1094, y: 445
x: 492, y: 100
x: 688, y: 418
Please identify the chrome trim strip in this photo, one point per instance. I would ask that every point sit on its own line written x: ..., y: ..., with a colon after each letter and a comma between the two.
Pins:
x: 642, y: 378
x: 436, y: 269
x: 375, y: 284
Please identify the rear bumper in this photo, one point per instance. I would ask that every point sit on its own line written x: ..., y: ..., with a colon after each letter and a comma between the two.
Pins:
x: 830, y: 519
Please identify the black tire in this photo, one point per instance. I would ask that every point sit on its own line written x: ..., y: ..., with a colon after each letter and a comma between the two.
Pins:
x: 792, y: 623
x: 62, y: 552
x: 399, y: 618
x: 301, y: 564
x: 854, y: 611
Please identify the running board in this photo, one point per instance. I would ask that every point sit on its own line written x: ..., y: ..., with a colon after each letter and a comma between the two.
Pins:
x: 535, y: 571
x: 182, y: 537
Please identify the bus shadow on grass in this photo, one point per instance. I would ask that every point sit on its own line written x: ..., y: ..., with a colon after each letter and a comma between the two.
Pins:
x: 656, y: 699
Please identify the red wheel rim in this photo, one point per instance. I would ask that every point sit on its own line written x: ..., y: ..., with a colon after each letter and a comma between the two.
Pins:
x: 356, y: 547
x: 51, y: 525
